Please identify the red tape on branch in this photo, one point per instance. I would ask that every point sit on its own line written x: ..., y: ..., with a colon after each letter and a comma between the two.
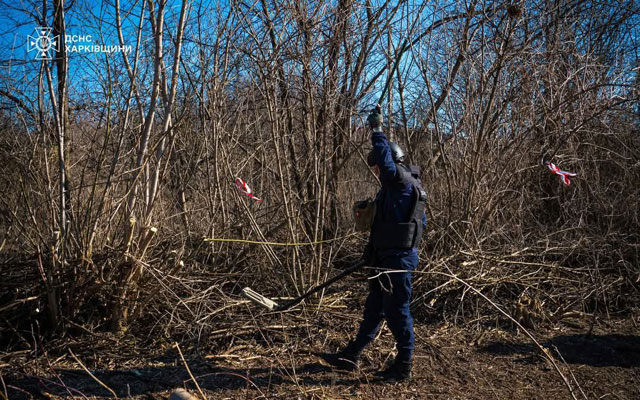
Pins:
x: 244, y: 188
x: 564, y: 175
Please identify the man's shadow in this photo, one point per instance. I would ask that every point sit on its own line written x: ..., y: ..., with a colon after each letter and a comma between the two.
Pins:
x: 597, y: 351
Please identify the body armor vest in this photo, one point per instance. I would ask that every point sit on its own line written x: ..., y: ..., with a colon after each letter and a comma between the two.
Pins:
x: 405, y: 234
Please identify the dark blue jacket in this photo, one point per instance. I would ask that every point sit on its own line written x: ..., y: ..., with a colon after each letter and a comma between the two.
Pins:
x: 396, y: 196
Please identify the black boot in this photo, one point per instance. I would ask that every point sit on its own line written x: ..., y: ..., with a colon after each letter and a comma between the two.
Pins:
x: 347, y: 358
x: 399, y: 371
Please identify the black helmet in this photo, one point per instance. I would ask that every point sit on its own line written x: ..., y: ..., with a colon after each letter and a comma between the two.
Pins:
x: 396, y: 154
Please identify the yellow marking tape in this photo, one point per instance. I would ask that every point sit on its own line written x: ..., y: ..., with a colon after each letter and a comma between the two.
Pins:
x: 276, y: 243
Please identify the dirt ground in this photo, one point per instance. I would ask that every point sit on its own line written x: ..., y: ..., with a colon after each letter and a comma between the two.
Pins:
x: 278, y: 358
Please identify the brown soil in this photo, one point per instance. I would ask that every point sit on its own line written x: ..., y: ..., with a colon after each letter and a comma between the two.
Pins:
x: 280, y: 360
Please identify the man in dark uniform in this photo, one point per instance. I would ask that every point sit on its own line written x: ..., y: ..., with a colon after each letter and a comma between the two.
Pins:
x: 392, y: 255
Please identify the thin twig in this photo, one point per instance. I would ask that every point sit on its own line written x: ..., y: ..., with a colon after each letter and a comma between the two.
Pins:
x: 245, y: 378
x: 18, y: 302
x: 91, y: 375
x: 4, y: 393
x: 571, y: 372
x: 189, y: 372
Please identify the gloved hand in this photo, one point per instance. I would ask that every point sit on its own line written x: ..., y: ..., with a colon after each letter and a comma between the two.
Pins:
x: 374, y: 120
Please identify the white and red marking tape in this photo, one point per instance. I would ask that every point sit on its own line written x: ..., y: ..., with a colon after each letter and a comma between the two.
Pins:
x: 564, y: 175
x: 244, y: 188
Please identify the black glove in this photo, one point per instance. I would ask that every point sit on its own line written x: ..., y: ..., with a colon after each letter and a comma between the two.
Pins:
x: 374, y: 120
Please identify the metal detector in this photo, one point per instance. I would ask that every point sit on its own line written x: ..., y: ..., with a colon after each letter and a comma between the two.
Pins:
x: 273, y: 306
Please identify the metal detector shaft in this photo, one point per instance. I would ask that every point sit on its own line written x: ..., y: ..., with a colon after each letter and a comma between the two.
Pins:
x: 318, y: 288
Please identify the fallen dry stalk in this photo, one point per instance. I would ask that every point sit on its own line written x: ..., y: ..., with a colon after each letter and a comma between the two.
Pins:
x: 189, y: 372
x: 92, y: 375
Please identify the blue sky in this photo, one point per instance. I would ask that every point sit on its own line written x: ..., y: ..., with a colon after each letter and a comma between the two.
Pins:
x: 18, y: 67
x: 90, y: 23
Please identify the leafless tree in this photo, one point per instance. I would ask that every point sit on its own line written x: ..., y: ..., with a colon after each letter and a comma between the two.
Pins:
x: 114, y: 179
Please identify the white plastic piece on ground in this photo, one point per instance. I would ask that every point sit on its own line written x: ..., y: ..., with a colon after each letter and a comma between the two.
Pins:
x: 258, y: 298
x: 181, y: 394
